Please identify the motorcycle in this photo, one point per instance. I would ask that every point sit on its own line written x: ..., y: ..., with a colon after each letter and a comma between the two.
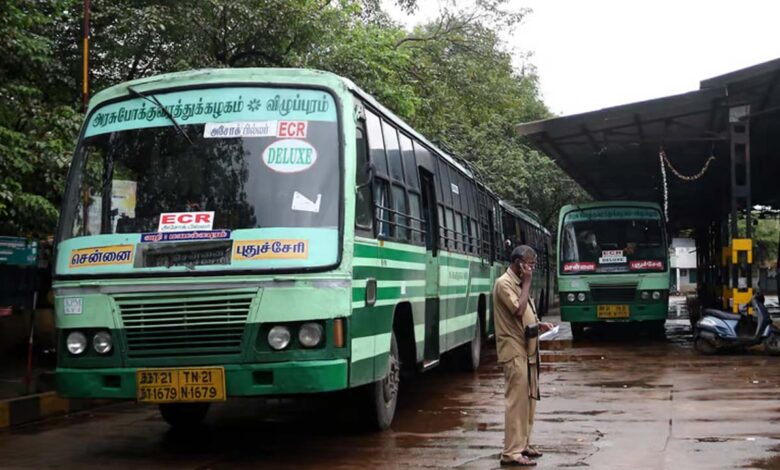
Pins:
x: 718, y: 330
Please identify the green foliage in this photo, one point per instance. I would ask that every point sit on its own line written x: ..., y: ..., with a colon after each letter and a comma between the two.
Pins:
x: 36, y: 132
x: 452, y: 79
x: 766, y: 235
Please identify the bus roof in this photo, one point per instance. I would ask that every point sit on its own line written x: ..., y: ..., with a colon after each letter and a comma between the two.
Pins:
x: 262, y: 75
x: 597, y: 204
x: 524, y: 214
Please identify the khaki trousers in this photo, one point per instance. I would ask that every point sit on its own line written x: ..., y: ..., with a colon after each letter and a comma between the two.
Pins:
x: 520, y: 407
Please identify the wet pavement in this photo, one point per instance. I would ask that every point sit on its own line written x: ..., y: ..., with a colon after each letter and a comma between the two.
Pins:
x: 618, y: 400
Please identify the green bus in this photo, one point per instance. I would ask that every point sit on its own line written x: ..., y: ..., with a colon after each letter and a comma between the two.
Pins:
x: 266, y: 232
x: 613, y: 264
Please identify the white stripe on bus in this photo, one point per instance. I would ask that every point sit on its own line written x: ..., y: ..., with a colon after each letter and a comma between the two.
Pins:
x: 386, y: 302
x: 388, y: 263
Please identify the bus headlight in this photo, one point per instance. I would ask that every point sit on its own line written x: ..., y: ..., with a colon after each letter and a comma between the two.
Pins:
x: 76, y: 343
x: 656, y: 295
x: 310, y: 335
x: 571, y: 297
x: 102, y: 342
x: 581, y: 297
x: 645, y: 295
x: 279, y: 337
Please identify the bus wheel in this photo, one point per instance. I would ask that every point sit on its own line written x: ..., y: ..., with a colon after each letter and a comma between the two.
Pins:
x: 184, y: 415
x: 382, y: 395
x: 577, y: 331
x: 470, y: 353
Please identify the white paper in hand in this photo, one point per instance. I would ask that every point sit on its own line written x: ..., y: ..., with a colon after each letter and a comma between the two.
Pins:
x: 551, y: 334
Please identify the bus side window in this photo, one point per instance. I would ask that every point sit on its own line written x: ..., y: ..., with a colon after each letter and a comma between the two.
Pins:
x: 363, y: 218
x: 382, y: 204
x: 443, y: 243
x: 416, y: 213
x: 399, y: 213
x: 376, y: 143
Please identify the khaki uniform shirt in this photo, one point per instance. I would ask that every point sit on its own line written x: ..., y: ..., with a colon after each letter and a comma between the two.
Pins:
x: 510, y: 333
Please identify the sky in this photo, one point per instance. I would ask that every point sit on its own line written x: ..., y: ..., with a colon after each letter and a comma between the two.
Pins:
x: 600, y: 53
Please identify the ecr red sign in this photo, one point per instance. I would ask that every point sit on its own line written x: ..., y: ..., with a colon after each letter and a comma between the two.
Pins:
x: 185, y: 221
x: 292, y: 129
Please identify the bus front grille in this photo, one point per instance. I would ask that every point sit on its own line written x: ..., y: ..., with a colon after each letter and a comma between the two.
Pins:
x: 184, y: 324
x: 613, y: 293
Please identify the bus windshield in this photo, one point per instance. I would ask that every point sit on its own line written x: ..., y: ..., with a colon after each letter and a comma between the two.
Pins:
x: 613, y: 240
x: 257, y: 175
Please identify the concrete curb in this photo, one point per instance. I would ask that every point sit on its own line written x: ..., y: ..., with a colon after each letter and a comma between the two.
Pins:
x: 18, y: 411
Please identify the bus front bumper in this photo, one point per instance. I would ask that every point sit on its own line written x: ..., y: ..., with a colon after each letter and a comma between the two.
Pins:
x: 641, y: 312
x: 240, y: 379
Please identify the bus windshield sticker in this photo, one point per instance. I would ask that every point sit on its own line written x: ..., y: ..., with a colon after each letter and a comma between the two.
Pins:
x: 615, y: 213
x: 217, y: 105
x: 185, y: 221
x: 579, y: 267
x: 166, y: 255
x: 642, y: 265
x: 612, y: 257
x: 101, y: 256
x: 248, y: 129
x: 304, y: 204
x: 292, y: 129
x: 290, y: 156
x: 228, y: 130
x: 184, y: 236
x: 248, y: 250
x: 455, y: 189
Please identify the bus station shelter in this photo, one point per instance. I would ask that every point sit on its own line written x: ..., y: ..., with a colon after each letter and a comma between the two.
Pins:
x: 708, y: 157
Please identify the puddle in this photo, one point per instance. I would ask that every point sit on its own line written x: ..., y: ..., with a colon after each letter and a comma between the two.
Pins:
x: 712, y: 439
x: 553, y: 358
x: 628, y: 384
x: 769, y: 463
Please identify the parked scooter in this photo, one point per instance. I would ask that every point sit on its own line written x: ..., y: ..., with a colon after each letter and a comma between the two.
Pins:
x: 719, y: 331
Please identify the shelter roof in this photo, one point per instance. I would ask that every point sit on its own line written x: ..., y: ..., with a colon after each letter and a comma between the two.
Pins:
x: 613, y: 153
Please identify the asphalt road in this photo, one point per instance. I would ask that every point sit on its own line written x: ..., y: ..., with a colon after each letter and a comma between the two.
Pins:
x: 617, y: 401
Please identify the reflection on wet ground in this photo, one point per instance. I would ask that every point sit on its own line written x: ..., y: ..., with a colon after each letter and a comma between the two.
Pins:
x: 617, y: 400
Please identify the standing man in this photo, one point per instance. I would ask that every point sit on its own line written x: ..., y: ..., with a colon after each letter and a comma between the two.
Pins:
x: 517, y: 331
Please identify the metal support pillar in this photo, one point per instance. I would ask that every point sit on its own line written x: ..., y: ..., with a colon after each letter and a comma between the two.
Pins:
x: 740, y: 252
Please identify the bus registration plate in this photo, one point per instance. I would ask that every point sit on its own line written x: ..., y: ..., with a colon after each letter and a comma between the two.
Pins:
x: 613, y: 311
x: 199, y: 384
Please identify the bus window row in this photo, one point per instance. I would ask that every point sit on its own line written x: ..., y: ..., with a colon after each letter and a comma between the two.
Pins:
x: 389, y: 201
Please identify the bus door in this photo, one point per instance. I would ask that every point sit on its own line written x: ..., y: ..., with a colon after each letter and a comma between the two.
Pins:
x: 431, y: 354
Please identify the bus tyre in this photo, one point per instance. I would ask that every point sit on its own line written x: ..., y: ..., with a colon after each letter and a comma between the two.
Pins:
x: 577, y: 331
x: 470, y: 353
x: 382, y: 395
x: 184, y: 415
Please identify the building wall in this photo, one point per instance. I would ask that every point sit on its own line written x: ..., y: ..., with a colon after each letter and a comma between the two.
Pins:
x: 682, y: 258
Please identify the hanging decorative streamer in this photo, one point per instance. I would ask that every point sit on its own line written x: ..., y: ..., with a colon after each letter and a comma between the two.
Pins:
x: 664, y: 160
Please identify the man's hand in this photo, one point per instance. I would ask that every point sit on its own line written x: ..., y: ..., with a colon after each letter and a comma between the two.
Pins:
x: 545, y: 327
x: 528, y: 272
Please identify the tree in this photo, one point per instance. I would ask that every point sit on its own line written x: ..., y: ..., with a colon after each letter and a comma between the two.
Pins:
x: 451, y: 79
x: 36, y: 127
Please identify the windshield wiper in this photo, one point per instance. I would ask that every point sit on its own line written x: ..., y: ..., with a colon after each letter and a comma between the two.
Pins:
x: 153, y: 99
